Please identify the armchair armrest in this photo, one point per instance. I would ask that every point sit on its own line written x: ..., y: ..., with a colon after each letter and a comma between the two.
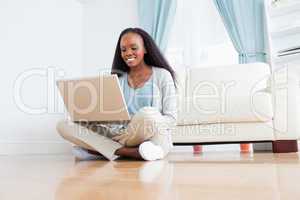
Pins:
x: 286, y: 100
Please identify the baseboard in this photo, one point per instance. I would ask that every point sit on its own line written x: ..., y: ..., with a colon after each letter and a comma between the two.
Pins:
x: 36, y: 147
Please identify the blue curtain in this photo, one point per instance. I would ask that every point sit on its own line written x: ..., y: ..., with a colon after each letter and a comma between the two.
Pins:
x: 244, y: 21
x: 156, y: 17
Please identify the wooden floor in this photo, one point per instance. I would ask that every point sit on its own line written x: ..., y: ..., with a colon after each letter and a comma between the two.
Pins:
x: 211, y: 175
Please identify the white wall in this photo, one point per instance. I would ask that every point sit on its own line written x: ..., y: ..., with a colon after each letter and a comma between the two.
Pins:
x: 103, y: 21
x: 34, y: 35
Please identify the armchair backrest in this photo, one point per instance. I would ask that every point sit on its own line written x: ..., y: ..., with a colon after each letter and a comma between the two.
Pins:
x: 233, y: 93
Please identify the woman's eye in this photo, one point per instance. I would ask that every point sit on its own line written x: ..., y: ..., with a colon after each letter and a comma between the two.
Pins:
x: 134, y: 48
x: 123, y: 50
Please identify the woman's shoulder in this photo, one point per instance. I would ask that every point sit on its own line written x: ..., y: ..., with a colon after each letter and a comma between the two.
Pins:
x: 161, y: 72
x: 162, y: 77
x: 159, y: 69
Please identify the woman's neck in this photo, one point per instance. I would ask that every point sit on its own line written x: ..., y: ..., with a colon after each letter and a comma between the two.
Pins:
x: 141, y: 70
x: 139, y: 76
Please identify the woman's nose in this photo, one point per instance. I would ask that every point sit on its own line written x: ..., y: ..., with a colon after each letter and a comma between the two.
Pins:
x: 128, y: 53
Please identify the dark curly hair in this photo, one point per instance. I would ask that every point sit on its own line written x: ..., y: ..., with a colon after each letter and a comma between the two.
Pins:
x: 153, y: 57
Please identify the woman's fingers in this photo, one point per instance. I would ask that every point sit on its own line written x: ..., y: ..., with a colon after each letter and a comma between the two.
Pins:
x: 123, y: 140
x: 120, y: 137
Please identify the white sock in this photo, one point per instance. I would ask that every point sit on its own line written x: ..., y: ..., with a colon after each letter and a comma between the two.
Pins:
x: 83, y: 154
x: 150, y: 151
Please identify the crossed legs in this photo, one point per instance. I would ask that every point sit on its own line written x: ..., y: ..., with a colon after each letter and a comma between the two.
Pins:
x: 145, y: 125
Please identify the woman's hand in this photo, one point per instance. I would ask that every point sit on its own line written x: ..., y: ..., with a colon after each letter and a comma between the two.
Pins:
x: 122, y: 138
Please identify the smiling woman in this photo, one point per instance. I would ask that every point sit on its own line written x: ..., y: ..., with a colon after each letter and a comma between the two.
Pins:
x: 148, y: 84
x: 145, y: 75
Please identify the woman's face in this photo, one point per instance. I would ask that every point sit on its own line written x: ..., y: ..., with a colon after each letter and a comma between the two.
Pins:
x: 132, y: 49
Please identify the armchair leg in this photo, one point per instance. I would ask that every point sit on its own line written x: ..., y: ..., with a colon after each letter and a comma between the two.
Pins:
x: 197, y: 149
x: 284, y: 146
x: 245, y: 148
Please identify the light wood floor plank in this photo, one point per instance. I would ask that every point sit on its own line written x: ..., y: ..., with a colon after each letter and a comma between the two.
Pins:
x: 210, y: 175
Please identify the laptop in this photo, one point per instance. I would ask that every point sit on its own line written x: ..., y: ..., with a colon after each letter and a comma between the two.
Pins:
x: 94, y: 99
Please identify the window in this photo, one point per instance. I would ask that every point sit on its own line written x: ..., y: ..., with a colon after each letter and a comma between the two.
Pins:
x: 198, y: 37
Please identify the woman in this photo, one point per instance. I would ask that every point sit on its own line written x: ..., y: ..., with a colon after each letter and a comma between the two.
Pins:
x: 148, y: 84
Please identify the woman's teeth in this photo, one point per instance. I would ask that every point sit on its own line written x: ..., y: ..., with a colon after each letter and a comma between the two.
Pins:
x: 130, y: 59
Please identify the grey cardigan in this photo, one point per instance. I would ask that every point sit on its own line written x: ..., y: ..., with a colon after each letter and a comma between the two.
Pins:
x: 164, y: 94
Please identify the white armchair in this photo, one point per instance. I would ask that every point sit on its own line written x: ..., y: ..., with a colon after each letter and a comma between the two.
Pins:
x: 236, y: 104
